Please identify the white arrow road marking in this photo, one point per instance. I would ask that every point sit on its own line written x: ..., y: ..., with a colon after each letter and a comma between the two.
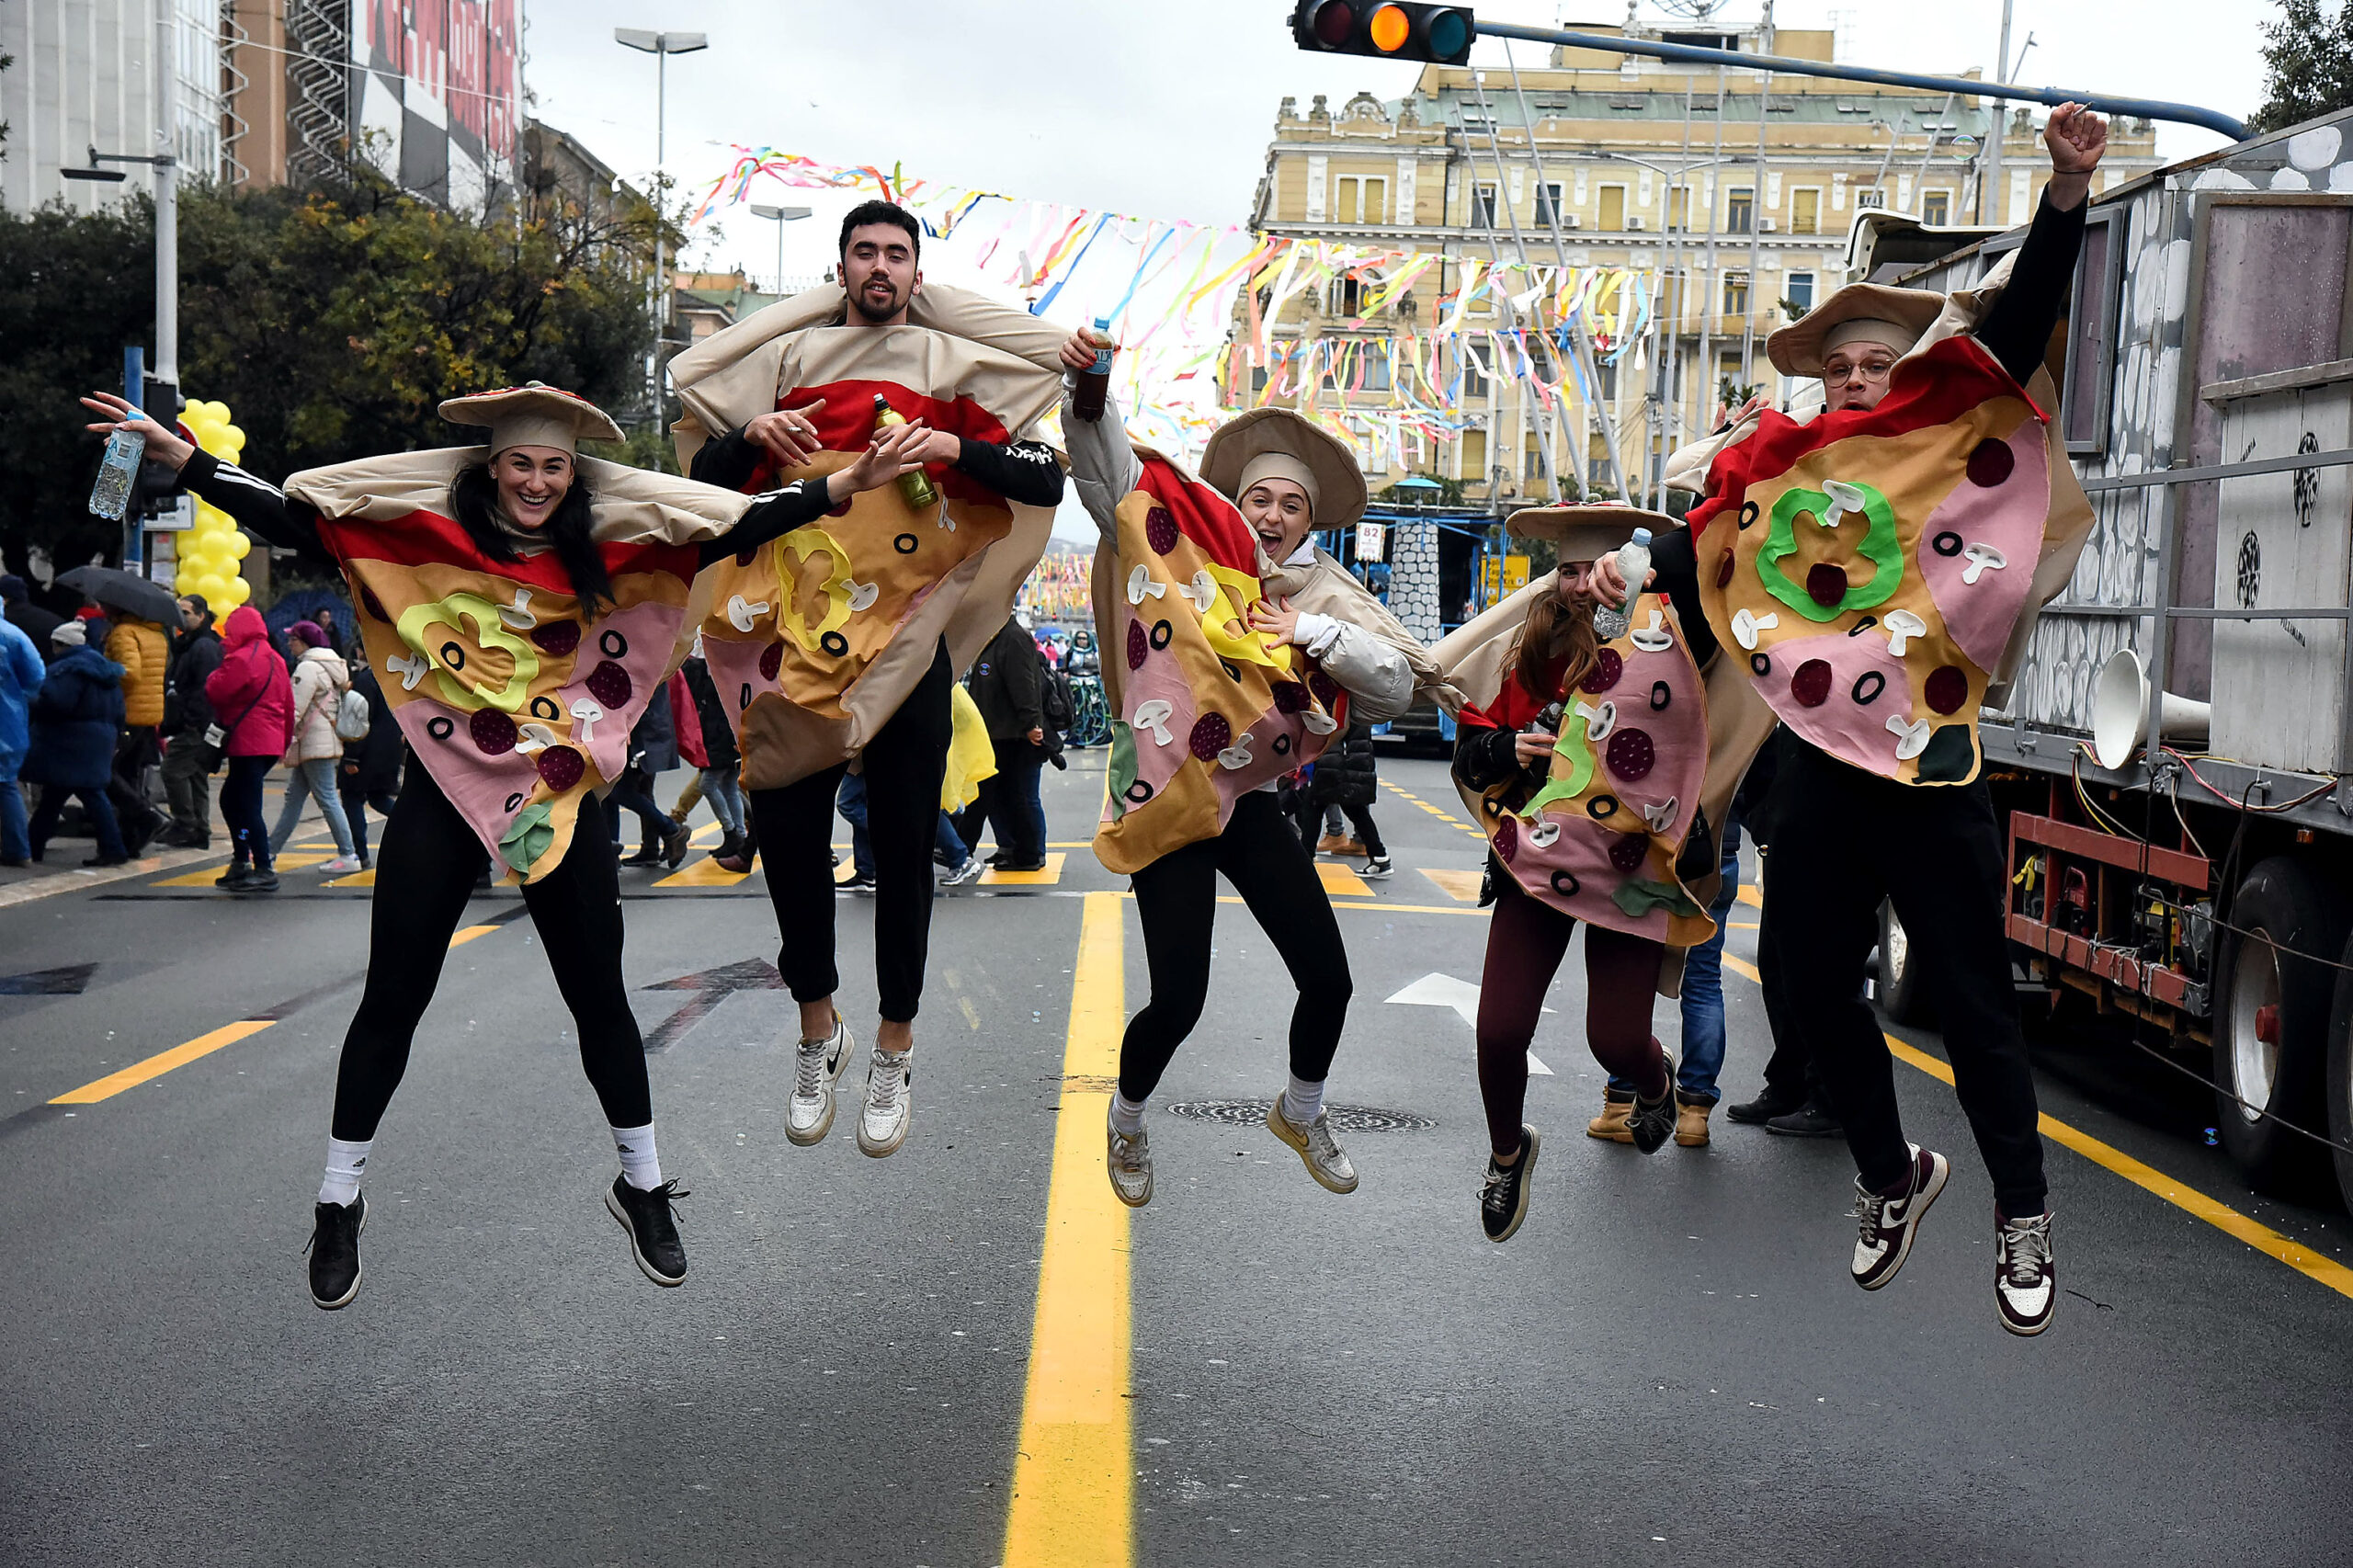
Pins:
x: 1445, y: 991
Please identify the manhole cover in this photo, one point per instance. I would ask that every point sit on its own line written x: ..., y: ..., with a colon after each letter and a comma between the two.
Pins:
x: 1346, y: 1118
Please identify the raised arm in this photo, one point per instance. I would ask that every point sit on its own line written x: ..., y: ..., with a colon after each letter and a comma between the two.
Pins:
x: 2017, y: 330
x: 258, y: 507
x: 1103, y: 462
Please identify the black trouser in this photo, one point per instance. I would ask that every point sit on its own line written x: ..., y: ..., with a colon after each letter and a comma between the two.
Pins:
x: 1792, y: 1070
x: 1309, y: 814
x: 1848, y: 840
x: 135, y: 752
x: 424, y: 877
x: 903, y: 766
x: 240, y: 808
x: 1009, y: 803
x: 188, y: 783
x: 1176, y: 901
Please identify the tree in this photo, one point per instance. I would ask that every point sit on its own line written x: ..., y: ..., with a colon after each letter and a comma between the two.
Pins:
x: 332, y: 321
x: 2308, y: 65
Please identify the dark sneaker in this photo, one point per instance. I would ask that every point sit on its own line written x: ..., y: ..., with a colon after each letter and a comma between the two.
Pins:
x: 856, y: 884
x: 2026, y: 1280
x: 653, y: 1228
x: 335, y: 1252
x: 1888, y: 1225
x: 1502, y: 1197
x: 647, y: 854
x: 1652, y: 1121
x: 1765, y: 1106
x: 260, y: 881
x: 238, y: 871
x: 1378, y: 869
x: 1808, y: 1121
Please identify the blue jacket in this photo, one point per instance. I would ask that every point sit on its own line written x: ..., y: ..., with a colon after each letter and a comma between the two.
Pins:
x: 21, y: 673
x: 76, y: 717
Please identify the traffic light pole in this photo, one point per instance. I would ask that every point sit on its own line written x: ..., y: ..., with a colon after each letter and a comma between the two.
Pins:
x: 1781, y: 65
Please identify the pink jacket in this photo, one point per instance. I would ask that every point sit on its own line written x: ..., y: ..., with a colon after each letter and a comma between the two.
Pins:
x: 252, y: 681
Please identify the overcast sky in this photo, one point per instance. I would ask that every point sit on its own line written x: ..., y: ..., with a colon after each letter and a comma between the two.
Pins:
x: 1163, y: 111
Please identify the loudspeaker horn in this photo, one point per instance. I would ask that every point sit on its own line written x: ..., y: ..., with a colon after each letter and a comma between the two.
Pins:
x: 2121, y: 712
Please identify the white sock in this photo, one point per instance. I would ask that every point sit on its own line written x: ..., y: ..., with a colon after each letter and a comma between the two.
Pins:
x: 1302, y: 1102
x: 346, y: 1162
x: 1127, y: 1115
x: 640, y: 1165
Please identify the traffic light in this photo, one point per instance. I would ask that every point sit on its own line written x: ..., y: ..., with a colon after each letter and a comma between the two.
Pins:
x: 1385, y: 30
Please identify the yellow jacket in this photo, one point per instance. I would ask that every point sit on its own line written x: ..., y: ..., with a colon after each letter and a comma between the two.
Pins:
x: 138, y: 646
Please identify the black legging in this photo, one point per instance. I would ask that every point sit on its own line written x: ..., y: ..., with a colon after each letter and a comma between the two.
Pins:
x: 426, y: 871
x: 1309, y: 816
x: 240, y: 808
x: 1526, y: 940
x: 1176, y: 901
x: 903, y: 766
x: 1847, y: 839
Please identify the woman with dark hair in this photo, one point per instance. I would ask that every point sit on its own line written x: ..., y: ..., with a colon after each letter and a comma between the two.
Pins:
x: 1586, y: 771
x: 527, y: 601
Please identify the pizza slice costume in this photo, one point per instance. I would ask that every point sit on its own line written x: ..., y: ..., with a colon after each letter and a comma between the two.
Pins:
x: 1875, y: 573
x: 841, y: 639
x: 515, y: 683
x: 1213, y: 711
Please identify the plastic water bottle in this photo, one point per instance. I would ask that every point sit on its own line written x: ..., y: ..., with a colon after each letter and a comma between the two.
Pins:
x: 118, y: 473
x: 1634, y: 564
x: 1095, y: 382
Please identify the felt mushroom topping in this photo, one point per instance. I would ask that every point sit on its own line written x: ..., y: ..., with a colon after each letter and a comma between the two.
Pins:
x: 862, y: 597
x: 516, y: 613
x: 1542, y: 832
x: 1746, y: 624
x: 1236, y: 755
x: 1911, y: 739
x: 1654, y: 638
x: 743, y: 616
x: 1902, y: 627
x: 588, y: 713
x: 1154, y: 716
x: 410, y: 670
x: 1982, y: 558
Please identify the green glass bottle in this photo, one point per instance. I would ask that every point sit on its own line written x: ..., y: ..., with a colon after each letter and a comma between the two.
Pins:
x: 916, y: 486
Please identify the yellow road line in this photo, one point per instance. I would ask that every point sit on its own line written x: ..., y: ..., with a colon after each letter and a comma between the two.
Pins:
x: 1750, y: 896
x: 2188, y: 1199
x: 1437, y: 812
x: 1072, y: 1478
x: 459, y: 938
x: 993, y: 877
x: 1463, y: 885
x: 706, y: 873
x: 1339, y: 880
x: 155, y: 1066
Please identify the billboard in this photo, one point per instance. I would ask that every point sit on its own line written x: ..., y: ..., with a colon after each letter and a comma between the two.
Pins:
x: 438, y: 84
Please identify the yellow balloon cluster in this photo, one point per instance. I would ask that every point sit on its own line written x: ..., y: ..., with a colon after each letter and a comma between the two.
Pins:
x: 209, y: 552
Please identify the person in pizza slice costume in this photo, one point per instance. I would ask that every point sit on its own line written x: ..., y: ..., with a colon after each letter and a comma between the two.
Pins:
x: 1222, y: 685
x: 842, y: 639
x: 521, y: 604
x: 1587, y: 767
x: 1879, y: 569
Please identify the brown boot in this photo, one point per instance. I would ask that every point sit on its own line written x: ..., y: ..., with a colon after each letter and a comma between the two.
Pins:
x: 1330, y: 843
x: 1611, y: 1122
x: 1691, y: 1121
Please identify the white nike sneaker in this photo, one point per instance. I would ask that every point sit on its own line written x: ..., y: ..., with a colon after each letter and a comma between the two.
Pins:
x: 890, y: 1103
x: 817, y: 1067
x: 1315, y: 1146
x: 1129, y: 1163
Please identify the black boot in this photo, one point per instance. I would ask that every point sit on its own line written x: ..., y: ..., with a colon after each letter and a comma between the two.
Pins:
x: 1809, y: 1120
x: 1771, y: 1102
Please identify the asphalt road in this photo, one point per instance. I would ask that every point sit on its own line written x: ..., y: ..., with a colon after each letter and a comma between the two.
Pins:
x: 1667, y: 1364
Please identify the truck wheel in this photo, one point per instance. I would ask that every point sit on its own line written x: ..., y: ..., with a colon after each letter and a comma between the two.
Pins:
x: 2339, y: 1082
x: 2271, y: 1021
x: 1902, y: 984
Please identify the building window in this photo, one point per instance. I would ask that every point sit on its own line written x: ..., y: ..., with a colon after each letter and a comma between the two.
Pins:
x: 1872, y: 200
x: 1805, y: 211
x: 1483, y: 205
x: 1376, y: 368
x: 1740, y: 211
x: 1345, y: 298
x: 1735, y: 293
x: 1548, y: 206
x: 1613, y: 208
x: 1935, y: 207
x: 1361, y: 201
x: 2091, y: 339
x: 1258, y: 377
x: 1678, y: 208
x: 1799, y: 292
x: 1474, y: 380
x: 1474, y: 456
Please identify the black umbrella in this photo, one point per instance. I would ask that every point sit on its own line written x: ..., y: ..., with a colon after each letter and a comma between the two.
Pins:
x: 125, y: 591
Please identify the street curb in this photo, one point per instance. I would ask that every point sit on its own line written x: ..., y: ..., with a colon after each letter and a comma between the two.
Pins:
x: 70, y: 881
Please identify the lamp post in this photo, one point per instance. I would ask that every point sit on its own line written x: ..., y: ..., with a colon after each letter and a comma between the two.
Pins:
x: 661, y: 46
x: 780, y: 216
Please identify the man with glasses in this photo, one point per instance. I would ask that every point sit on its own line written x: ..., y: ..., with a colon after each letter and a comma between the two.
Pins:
x: 1926, y: 512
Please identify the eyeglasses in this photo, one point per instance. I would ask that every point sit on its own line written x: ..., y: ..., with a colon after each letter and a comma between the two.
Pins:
x: 1836, y: 375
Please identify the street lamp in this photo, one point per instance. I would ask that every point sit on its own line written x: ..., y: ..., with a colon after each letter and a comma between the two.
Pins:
x: 780, y: 216
x: 661, y: 46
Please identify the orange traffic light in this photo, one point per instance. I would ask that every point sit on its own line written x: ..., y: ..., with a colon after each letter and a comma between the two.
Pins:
x: 1385, y: 30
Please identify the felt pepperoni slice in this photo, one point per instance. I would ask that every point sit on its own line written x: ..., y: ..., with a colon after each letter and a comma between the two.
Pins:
x: 1811, y: 685
x: 771, y: 661
x: 1289, y: 696
x: 1212, y: 734
x: 1990, y: 462
x: 1631, y: 752
x: 1160, y: 530
x: 561, y: 768
x: 493, y: 732
x: 1138, y: 647
x: 1948, y: 686
x: 1506, y: 837
x: 557, y: 637
x: 1607, y: 665
x: 1629, y: 853
x: 609, y: 683
x: 1825, y: 583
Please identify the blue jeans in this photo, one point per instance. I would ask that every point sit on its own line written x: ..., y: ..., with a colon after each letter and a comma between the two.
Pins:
x: 313, y: 777
x: 1703, y: 993
x: 15, y: 843
x: 949, y: 842
x: 851, y: 803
